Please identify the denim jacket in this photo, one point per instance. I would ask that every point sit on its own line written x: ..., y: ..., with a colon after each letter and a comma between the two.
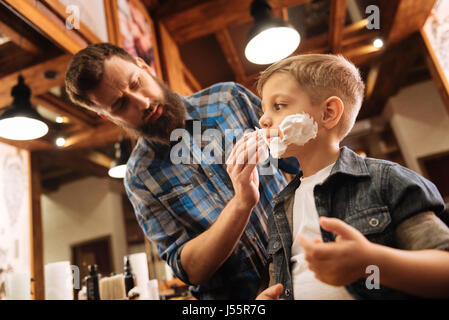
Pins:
x: 372, y: 195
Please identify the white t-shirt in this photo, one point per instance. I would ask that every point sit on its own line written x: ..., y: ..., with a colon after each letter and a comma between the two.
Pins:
x: 306, y: 223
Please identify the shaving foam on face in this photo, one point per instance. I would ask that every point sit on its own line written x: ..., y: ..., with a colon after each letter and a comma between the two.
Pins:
x: 296, y: 129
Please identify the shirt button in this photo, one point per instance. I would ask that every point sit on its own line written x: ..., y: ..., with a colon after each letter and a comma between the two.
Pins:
x: 287, y: 292
x: 254, y: 238
x: 276, y: 245
x: 373, y: 222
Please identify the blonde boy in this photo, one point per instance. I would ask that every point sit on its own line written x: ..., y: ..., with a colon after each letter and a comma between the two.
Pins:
x: 345, y: 217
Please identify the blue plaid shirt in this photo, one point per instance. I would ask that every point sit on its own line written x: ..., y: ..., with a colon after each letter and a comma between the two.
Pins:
x: 174, y: 203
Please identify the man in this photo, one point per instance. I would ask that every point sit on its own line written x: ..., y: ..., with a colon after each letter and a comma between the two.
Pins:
x: 208, y: 220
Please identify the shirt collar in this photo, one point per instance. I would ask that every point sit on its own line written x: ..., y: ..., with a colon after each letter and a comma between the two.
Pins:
x: 350, y: 163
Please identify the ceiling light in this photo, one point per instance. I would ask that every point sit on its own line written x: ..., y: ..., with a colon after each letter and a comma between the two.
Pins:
x: 378, y: 43
x: 59, y: 119
x: 60, y: 142
x: 270, y: 39
x: 20, y: 121
x: 118, y: 166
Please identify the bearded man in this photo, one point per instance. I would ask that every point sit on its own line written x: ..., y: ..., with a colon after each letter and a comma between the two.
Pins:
x: 208, y: 220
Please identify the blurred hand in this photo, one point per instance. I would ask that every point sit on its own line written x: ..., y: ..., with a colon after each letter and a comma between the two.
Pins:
x: 271, y: 293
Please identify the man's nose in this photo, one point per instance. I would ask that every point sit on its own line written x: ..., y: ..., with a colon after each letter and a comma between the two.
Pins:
x: 140, y: 101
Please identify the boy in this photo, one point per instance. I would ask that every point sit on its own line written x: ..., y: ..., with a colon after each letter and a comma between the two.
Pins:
x: 374, y: 207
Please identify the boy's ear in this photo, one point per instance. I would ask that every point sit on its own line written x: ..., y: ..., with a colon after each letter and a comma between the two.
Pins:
x: 332, y: 112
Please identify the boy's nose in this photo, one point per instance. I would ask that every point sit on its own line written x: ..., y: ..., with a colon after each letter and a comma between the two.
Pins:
x: 265, y: 122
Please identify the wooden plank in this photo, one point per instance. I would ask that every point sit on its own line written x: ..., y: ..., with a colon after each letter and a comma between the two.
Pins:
x: 36, y: 237
x: 18, y: 39
x: 393, y: 70
x: 60, y: 9
x: 57, y: 105
x: 227, y: 46
x: 30, y: 145
x: 100, y: 159
x: 59, y: 34
x: 76, y: 161
x: 400, y: 19
x: 99, y: 136
x: 34, y: 78
x: 337, y: 18
x: 172, y: 63
x: 112, y: 21
x: 436, y: 70
x: 213, y: 16
x: 191, y: 80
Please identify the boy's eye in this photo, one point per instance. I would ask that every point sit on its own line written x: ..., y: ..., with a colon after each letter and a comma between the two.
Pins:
x: 278, y: 106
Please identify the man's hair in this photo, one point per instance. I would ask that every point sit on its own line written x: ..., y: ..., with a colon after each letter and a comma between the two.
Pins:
x: 86, y: 69
x: 322, y: 76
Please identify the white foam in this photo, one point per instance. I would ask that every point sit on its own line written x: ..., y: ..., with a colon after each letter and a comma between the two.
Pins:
x: 296, y: 129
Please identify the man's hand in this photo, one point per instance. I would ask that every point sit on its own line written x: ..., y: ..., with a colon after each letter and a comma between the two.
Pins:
x: 241, y: 167
x: 271, y: 293
x: 341, y: 262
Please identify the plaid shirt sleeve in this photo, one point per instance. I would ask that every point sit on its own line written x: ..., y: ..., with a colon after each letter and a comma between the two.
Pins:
x: 158, y: 224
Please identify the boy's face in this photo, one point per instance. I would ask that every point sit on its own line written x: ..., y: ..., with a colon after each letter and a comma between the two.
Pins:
x: 282, y: 96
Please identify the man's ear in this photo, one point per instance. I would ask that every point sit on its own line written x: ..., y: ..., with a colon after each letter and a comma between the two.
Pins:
x: 332, y: 112
x: 141, y: 63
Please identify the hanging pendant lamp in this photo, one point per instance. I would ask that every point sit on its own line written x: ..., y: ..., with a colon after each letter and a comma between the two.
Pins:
x: 270, y: 39
x: 118, y: 166
x: 20, y: 121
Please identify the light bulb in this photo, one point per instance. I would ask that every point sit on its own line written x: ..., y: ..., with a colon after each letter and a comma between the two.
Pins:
x: 22, y: 128
x: 272, y: 45
x: 117, y: 171
x: 378, y: 43
x: 60, y: 142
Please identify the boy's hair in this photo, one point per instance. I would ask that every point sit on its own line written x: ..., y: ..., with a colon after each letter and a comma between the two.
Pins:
x: 86, y: 69
x: 322, y: 76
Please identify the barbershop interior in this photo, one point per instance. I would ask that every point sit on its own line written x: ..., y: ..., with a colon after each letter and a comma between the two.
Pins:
x: 68, y: 229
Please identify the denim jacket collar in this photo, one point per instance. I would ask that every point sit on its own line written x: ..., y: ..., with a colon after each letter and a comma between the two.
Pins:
x: 350, y: 163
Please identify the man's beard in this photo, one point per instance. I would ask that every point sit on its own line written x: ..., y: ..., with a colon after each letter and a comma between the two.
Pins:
x: 172, y: 117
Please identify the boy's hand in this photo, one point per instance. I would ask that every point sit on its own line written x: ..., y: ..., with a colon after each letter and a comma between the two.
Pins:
x: 241, y: 167
x: 341, y: 262
x: 271, y: 293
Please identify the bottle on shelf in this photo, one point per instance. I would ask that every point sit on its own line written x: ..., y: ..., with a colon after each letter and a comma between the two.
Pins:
x: 129, y: 276
x: 92, y: 283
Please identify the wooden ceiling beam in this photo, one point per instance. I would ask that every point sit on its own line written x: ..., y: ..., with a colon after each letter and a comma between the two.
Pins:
x: 213, y: 16
x: 30, y: 145
x: 34, y: 13
x: 401, y: 18
x: 18, y: 39
x: 337, y: 18
x: 57, y: 105
x: 96, y: 137
x: 34, y: 78
x: 392, y: 73
x: 227, y: 46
